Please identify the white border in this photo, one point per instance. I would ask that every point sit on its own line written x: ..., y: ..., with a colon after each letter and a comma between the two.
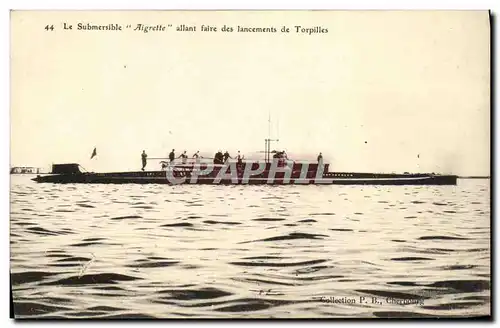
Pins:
x: 255, y: 4
x: 493, y: 5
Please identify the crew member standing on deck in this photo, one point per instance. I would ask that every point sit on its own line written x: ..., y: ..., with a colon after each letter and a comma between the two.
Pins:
x: 144, y: 159
x: 171, y: 156
x: 239, y: 158
x: 320, y: 159
x: 184, y: 157
x: 218, y: 158
x: 226, y: 156
x: 239, y: 162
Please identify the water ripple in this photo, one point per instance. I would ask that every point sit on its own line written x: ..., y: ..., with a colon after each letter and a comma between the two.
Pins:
x: 191, y: 251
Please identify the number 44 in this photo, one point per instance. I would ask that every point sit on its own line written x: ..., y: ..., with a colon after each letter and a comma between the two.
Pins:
x: 49, y: 28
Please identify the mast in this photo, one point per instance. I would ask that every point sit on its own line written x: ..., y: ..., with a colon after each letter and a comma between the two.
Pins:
x: 267, y: 150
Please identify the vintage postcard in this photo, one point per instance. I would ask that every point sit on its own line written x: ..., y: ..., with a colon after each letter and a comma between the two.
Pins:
x: 250, y: 164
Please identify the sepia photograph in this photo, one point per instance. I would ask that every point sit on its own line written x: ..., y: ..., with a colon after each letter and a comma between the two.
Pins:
x: 258, y: 164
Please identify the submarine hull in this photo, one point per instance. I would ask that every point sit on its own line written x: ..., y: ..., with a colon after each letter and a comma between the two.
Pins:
x: 332, y: 178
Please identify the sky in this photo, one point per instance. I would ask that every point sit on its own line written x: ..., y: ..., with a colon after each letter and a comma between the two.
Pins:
x: 380, y: 92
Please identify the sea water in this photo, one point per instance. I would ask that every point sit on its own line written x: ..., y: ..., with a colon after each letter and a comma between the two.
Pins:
x: 202, y: 251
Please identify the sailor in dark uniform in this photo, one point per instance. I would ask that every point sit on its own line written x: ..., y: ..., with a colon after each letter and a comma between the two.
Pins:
x: 239, y: 163
x: 144, y: 159
x: 226, y: 156
x: 184, y: 157
x: 320, y: 159
x: 219, y: 158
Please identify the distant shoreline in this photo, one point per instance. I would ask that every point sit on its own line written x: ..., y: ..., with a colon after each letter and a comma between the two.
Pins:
x: 474, y: 177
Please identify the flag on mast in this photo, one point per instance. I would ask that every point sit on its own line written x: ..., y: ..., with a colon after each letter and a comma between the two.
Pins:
x: 94, y: 153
